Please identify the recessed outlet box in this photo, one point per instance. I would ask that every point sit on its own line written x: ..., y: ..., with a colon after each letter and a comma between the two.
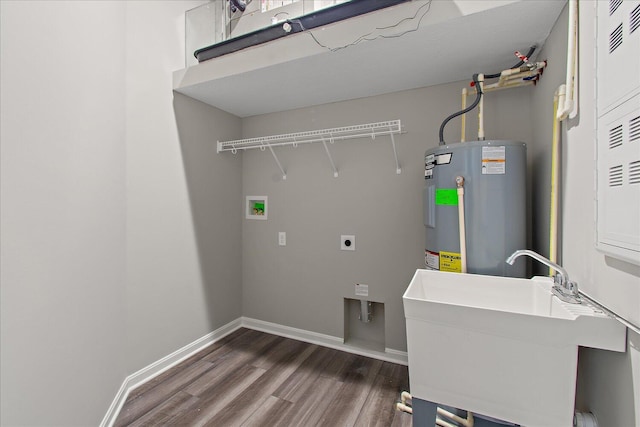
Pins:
x: 256, y: 207
x: 348, y: 242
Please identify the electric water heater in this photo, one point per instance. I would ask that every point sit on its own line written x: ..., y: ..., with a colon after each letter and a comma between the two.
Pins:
x: 492, y: 221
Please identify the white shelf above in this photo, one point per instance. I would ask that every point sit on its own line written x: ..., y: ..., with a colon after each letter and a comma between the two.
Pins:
x: 369, y: 130
x: 453, y: 40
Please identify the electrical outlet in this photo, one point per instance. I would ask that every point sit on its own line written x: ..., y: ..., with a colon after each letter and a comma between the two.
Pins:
x: 282, y: 238
x: 348, y: 242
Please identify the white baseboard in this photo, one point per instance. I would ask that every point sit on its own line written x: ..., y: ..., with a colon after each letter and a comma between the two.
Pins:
x: 337, y: 343
x: 400, y: 354
x: 147, y: 373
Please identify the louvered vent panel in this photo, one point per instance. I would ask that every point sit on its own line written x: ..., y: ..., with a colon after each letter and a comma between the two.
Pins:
x: 613, y: 6
x: 615, y: 137
x: 634, y: 172
x: 615, y: 38
x: 615, y: 176
x: 618, y: 50
x: 618, y: 128
x: 634, y: 129
x: 634, y: 19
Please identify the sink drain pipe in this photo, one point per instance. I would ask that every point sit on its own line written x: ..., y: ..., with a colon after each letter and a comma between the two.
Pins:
x: 366, y: 311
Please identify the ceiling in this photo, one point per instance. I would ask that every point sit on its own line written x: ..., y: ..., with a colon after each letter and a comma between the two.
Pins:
x: 414, y: 44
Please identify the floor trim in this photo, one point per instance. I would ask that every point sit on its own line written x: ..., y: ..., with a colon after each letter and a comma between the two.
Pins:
x: 337, y: 343
x: 147, y: 373
x: 156, y: 368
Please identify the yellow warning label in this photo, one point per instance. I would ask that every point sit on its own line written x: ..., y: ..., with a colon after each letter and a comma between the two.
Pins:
x: 450, y: 261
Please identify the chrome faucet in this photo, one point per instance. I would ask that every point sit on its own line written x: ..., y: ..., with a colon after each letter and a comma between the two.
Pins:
x: 563, y: 288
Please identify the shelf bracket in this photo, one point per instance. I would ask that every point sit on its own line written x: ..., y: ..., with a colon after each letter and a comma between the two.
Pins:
x: 333, y: 165
x: 395, y: 152
x: 273, y: 153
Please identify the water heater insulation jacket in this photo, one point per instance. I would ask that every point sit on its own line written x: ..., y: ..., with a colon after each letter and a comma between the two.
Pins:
x: 494, y: 224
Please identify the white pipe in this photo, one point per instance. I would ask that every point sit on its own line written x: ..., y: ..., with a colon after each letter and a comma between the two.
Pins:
x: 566, y: 100
x: 568, y: 104
x: 461, y: 227
x: 522, y: 71
x: 506, y: 84
x: 555, y: 179
x: 480, y: 110
x: 565, y: 105
x: 404, y: 408
x: 494, y: 86
x: 443, y: 423
x: 467, y: 422
x: 520, y: 75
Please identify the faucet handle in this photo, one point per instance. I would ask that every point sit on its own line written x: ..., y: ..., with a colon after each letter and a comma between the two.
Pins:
x: 566, y: 290
x: 572, y: 287
x: 565, y: 283
x: 559, y: 280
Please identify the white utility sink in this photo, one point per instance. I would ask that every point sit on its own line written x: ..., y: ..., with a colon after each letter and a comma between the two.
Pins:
x: 498, y: 346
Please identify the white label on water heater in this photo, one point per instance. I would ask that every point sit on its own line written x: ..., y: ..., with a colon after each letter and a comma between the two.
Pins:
x: 432, y: 259
x: 494, y: 160
x: 444, y: 159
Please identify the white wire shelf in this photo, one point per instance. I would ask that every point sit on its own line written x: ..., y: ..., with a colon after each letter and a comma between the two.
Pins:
x: 370, y: 130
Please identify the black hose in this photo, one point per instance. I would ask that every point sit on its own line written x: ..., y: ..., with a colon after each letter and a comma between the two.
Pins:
x: 479, y: 95
x: 466, y: 110
x: 528, y: 55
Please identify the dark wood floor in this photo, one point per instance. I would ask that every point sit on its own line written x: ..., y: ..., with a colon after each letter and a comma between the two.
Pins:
x: 251, y: 378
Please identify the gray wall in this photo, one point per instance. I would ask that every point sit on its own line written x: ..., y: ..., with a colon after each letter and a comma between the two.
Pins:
x: 110, y: 257
x: 62, y: 211
x: 121, y: 234
x: 608, y: 382
x: 183, y: 249
x: 303, y: 284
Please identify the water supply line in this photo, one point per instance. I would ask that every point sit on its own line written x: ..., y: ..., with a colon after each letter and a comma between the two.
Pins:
x: 481, y: 109
x: 405, y: 406
x: 565, y: 106
x: 527, y: 67
x: 555, y: 172
x: 464, y: 111
x: 530, y: 72
x: 517, y: 65
x: 461, y: 226
x: 580, y: 419
x: 465, y: 422
x: 567, y: 102
x: 509, y: 79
